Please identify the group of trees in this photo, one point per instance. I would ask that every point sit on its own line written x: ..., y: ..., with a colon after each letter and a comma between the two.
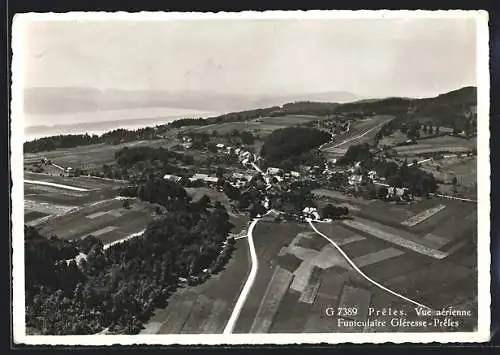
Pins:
x: 116, y: 136
x: 127, y: 157
x: 356, y: 153
x: 142, y: 163
x: 60, y: 141
x: 307, y: 108
x: 390, y: 106
x: 419, y: 182
x: 310, y: 158
x: 291, y: 141
x: 294, y: 199
x: 412, y: 129
x: 331, y: 211
x: 118, y: 288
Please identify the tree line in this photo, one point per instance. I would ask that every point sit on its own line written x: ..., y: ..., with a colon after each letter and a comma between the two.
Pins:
x: 118, y: 288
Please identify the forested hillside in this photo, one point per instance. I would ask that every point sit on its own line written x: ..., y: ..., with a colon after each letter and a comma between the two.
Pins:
x: 118, y: 288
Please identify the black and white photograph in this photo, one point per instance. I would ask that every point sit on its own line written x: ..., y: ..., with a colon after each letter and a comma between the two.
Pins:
x: 272, y: 177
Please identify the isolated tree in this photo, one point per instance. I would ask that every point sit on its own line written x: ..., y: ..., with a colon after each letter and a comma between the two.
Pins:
x: 126, y: 204
x: 454, y: 181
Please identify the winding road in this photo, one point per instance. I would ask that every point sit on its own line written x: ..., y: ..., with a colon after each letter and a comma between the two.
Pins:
x: 248, y: 284
x: 362, y: 273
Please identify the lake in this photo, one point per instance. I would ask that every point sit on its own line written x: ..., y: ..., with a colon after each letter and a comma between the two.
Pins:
x: 99, y: 122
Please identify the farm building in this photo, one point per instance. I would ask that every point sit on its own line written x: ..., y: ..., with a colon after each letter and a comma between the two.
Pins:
x: 173, y: 178
x: 397, y: 192
x: 205, y: 178
x: 220, y: 147
x: 310, y: 212
x: 372, y: 174
x: 273, y: 171
x: 355, y: 179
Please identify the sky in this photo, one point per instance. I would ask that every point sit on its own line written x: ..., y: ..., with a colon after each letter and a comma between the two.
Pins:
x: 368, y: 57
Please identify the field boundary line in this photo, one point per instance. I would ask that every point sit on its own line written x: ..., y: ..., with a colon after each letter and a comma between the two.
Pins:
x: 248, y: 284
x: 392, y: 238
x: 361, y: 135
x: 382, y: 287
x: 456, y: 198
x: 53, y: 184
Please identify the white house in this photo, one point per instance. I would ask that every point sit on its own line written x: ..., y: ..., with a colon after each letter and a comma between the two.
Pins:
x: 311, y: 212
x: 219, y: 146
x: 372, y: 174
x: 245, y: 155
x: 396, y: 191
x: 173, y: 178
x: 355, y: 179
x: 273, y: 171
x: 204, y: 177
x: 295, y: 174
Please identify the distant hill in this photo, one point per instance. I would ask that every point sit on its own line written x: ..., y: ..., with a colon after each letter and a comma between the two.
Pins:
x: 330, y: 97
x: 455, y: 102
x: 444, y: 109
x: 46, y: 100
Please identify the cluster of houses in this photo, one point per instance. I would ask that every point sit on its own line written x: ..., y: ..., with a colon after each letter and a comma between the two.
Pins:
x: 311, y: 212
x: 210, y: 180
x: 244, y: 156
x: 240, y: 180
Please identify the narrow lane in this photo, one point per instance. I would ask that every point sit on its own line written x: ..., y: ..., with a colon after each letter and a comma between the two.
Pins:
x: 362, y: 273
x: 248, y: 284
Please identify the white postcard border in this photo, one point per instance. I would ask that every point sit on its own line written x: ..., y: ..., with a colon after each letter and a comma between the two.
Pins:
x: 17, y: 128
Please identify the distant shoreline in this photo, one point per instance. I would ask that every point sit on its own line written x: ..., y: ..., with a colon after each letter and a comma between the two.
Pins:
x: 42, y: 131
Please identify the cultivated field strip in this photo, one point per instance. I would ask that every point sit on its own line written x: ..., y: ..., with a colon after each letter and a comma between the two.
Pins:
x: 377, y: 256
x: 216, y: 320
x: 428, y: 278
x: 360, y: 274
x: 276, y: 290
x: 52, y: 184
x: 422, y: 216
x: 199, y: 314
x: 177, y: 318
x: 311, y: 290
x: 46, y: 208
x: 395, y: 239
x: 354, y: 297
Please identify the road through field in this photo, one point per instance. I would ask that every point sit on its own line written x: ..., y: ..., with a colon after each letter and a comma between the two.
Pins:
x: 361, y: 272
x: 248, y: 284
x: 53, y: 184
x: 360, y: 136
